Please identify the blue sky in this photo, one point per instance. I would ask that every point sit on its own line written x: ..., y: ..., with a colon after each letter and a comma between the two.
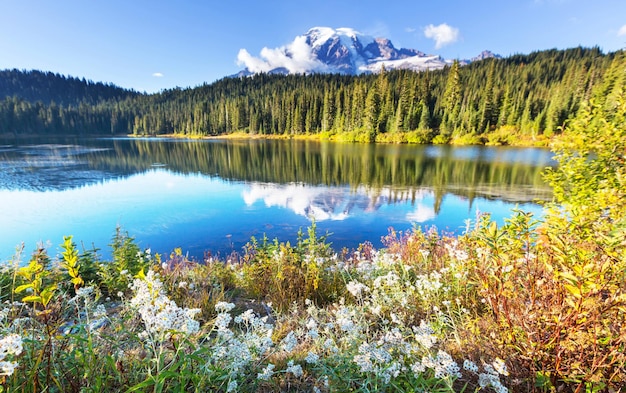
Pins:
x: 154, y: 45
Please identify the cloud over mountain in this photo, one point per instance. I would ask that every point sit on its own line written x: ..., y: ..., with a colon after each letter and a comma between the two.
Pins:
x: 296, y: 57
x: 443, y: 34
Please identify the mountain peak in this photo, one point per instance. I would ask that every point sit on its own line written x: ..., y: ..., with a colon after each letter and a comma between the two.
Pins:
x: 486, y: 54
x: 342, y: 50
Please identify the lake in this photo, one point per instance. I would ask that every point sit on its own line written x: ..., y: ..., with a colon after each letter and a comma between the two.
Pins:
x: 214, y: 195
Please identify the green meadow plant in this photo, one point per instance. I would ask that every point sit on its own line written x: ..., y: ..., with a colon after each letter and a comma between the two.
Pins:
x: 198, y: 285
x: 127, y: 261
x: 70, y: 262
x: 280, y: 274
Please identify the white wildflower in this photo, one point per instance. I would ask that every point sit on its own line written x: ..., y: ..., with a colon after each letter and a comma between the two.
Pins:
x: 443, y: 365
x: 289, y: 342
x: 221, y: 307
x: 364, y: 362
x: 84, y: 292
x: 295, y: 369
x: 500, y: 367
x: 267, y: 373
x: 488, y: 379
x: 371, y: 357
x: 356, y: 288
x: 344, y: 319
x: 161, y: 315
x: 417, y: 368
x: 311, y: 324
x: 470, y: 366
x: 393, y: 371
x: 484, y: 379
x: 395, y: 319
x: 247, y: 317
x: 330, y: 345
x: 312, y: 358
x: 9, y: 345
x: 7, y: 368
x: 222, y: 321
x: 425, y: 335
x: 376, y: 309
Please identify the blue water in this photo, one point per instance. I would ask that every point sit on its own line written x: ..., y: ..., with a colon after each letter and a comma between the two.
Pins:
x: 89, y: 189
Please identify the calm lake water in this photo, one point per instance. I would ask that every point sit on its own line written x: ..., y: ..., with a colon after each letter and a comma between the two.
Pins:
x: 214, y: 195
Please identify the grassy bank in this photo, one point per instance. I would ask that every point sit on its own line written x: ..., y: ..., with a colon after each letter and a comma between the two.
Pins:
x: 505, y: 137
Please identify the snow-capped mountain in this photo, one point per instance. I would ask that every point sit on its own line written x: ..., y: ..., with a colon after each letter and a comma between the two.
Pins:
x: 342, y: 50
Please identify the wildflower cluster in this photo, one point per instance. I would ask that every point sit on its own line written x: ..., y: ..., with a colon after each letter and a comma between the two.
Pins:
x: 160, y: 315
x: 240, y: 349
x: 491, y: 376
x: 10, y: 346
x: 89, y: 313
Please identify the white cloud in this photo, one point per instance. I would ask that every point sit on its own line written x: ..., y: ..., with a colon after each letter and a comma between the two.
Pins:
x: 622, y: 31
x: 157, y: 75
x: 421, y: 214
x: 443, y: 34
x: 306, y: 201
x: 297, y: 57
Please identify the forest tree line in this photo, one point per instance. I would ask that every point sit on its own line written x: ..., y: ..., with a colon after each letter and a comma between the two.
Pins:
x: 527, y: 97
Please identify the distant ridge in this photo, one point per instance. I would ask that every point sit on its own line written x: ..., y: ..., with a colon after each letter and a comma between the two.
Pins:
x: 48, y: 87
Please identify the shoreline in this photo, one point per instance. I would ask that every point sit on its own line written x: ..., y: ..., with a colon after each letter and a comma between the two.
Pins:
x: 393, y: 139
x: 522, y: 142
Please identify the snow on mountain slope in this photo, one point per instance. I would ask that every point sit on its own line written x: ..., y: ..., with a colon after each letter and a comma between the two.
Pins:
x: 415, y: 63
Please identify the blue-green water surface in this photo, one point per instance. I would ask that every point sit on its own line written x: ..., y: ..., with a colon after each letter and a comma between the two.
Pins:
x: 214, y: 195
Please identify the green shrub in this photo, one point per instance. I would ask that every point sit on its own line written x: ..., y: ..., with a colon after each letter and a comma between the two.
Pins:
x: 556, y: 290
x: 282, y: 274
x: 127, y: 261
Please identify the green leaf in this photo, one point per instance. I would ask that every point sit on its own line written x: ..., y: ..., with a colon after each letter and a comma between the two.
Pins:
x: 22, y: 288
x: 569, y: 277
x: 47, y: 293
x: 32, y: 298
x: 148, y: 382
x: 574, y: 290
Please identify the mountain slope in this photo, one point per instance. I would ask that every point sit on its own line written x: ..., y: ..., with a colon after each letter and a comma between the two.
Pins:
x: 343, y: 51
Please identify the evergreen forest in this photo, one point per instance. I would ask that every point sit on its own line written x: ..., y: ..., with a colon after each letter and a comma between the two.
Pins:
x: 521, y: 99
